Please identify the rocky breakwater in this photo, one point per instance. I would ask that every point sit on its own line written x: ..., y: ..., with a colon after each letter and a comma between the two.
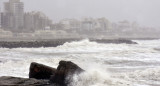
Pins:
x: 35, y: 44
x: 56, y: 42
x: 41, y: 75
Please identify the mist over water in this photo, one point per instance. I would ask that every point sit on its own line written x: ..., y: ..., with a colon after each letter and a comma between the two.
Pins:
x: 145, y: 12
x: 105, y: 64
x: 37, y: 22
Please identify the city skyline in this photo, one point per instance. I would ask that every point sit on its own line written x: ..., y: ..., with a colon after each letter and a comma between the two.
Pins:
x: 145, y: 12
x: 17, y: 22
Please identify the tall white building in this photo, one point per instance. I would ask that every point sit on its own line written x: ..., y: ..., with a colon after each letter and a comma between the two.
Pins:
x: 0, y: 18
x: 14, y: 14
x: 18, y: 15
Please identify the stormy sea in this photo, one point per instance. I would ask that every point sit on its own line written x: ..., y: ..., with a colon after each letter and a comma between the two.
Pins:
x: 105, y: 64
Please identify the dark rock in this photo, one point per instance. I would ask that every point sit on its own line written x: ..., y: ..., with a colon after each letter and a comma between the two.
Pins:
x: 64, y: 73
x: 15, y: 81
x: 41, y: 75
x: 37, y: 43
x: 40, y: 71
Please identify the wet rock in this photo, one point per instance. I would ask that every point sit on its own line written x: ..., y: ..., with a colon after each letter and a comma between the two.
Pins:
x: 64, y: 73
x: 15, y: 81
x: 40, y: 71
x: 35, y: 44
x: 41, y: 75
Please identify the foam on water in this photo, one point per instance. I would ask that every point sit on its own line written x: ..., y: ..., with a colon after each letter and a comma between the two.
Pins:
x: 105, y: 64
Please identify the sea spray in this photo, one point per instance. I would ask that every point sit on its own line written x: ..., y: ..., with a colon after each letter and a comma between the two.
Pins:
x: 105, y: 64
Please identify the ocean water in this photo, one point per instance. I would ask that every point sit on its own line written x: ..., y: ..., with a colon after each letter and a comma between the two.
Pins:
x: 105, y: 64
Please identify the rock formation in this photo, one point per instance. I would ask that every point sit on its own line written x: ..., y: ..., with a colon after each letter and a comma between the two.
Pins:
x: 42, y: 75
x: 15, y: 81
x: 40, y: 71
x: 64, y: 73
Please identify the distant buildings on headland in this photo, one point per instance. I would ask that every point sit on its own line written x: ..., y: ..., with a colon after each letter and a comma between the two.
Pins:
x: 14, y: 18
x: 15, y: 22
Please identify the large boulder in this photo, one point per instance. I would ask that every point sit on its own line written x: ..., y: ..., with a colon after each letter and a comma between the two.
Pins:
x: 65, y: 72
x: 40, y: 71
x: 41, y: 75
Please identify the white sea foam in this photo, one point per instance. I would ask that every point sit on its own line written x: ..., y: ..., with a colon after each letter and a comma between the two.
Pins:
x: 105, y: 64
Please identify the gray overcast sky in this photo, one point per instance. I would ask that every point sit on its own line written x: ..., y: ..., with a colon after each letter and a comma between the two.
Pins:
x: 145, y: 12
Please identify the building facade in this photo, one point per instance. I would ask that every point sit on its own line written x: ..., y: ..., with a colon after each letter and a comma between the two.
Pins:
x: 13, y: 17
x: 0, y: 18
x: 36, y: 21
